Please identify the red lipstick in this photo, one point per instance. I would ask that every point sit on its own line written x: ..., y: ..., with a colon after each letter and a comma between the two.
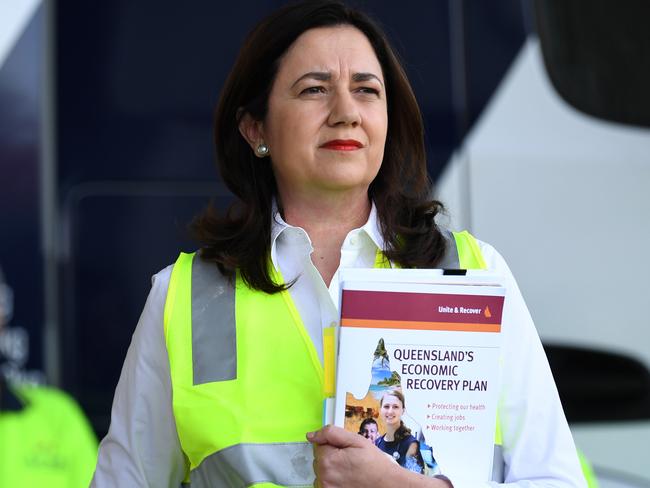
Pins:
x: 342, y: 145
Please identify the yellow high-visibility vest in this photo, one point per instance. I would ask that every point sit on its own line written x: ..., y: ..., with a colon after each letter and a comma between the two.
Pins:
x: 247, y: 383
x: 45, y: 441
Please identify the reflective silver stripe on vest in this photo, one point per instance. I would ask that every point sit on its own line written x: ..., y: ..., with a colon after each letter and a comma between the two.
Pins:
x: 498, y: 464
x: 214, y: 352
x: 450, y: 259
x: 242, y: 465
x: 214, y: 336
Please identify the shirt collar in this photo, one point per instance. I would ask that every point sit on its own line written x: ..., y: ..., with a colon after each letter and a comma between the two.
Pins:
x: 371, y: 227
x: 278, y: 226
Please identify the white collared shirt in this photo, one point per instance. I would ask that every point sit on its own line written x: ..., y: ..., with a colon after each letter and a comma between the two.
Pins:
x: 317, y: 304
x: 142, y: 446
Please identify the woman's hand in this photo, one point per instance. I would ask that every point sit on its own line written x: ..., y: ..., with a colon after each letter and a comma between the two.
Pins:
x: 344, y: 459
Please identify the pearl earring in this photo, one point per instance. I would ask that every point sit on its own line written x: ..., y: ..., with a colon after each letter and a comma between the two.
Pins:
x: 262, y: 150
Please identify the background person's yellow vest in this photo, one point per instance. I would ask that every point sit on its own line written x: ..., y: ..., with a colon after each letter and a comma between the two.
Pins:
x: 46, y: 442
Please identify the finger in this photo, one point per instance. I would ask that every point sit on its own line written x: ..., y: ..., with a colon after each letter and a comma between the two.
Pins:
x: 317, y: 437
x: 337, y: 437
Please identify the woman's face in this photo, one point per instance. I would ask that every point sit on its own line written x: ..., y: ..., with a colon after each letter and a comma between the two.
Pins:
x: 391, y: 410
x: 327, y: 115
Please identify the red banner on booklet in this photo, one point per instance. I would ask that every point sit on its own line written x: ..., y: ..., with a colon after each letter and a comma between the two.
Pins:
x: 425, y: 311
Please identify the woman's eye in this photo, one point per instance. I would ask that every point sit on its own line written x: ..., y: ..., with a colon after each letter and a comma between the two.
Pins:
x: 368, y: 90
x: 313, y: 90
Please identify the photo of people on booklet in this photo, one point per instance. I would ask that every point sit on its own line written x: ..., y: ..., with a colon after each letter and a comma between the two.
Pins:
x: 381, y: 417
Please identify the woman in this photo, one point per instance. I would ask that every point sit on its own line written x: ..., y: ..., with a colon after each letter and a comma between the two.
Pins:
x: 397, y: 441
x: 320, y: 139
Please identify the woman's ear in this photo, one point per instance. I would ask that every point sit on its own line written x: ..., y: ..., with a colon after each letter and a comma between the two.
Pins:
x: 252, y: 131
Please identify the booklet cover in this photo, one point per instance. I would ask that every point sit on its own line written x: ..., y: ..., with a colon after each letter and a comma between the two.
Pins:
x: 418, y: 367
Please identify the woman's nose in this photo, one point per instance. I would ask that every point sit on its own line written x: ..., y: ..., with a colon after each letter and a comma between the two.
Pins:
x: 344, y: 110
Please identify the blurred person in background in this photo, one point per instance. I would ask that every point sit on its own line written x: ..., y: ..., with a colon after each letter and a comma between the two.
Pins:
x: 45, y: 439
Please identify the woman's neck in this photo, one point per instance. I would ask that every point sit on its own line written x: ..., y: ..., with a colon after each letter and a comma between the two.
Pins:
x: 327, y: 222
x: 390, y: 433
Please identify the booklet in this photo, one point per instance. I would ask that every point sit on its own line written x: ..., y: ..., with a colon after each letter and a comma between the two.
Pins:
x: 418, y: 367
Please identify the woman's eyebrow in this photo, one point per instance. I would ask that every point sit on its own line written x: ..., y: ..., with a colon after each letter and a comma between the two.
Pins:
x: 358, y: 77
x: 315, y: 75
x: 327, y: 76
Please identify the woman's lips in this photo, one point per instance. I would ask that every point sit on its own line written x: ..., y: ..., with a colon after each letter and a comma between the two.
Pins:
x: 342, y: 145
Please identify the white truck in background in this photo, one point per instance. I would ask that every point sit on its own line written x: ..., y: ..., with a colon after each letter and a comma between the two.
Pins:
x: 565, y: 197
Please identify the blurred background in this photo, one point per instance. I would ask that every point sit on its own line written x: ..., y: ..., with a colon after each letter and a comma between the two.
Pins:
x: 537, y: 121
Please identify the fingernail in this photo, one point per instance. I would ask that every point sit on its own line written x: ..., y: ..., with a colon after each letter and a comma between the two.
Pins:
x: 310, y: 435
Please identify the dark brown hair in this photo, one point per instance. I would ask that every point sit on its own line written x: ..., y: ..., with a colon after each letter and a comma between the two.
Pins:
x: 240, y: 239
